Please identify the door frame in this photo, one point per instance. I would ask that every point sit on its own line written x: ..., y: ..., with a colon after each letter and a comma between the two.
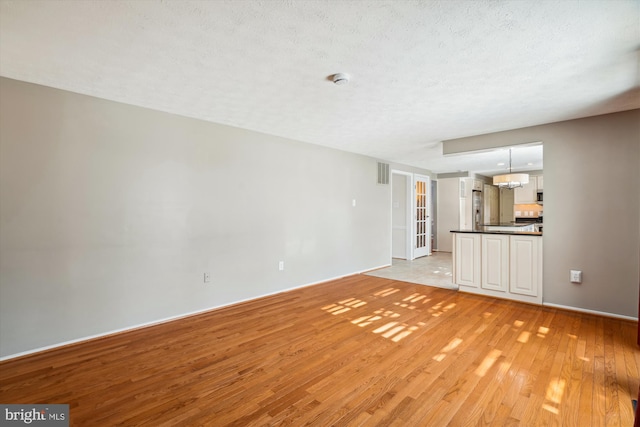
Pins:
x: 409, y: 214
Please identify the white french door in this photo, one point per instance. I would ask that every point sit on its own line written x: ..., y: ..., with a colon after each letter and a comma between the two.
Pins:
x: 422, y: 217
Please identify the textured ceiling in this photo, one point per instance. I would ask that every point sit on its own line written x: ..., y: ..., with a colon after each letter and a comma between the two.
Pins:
x: 422, y: 71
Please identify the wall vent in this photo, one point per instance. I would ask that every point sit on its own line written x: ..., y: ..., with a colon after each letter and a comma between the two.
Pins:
x: 383, y: 173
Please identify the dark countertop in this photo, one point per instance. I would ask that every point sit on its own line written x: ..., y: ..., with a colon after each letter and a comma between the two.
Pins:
x: 515, y: 232
x: 510, y: 224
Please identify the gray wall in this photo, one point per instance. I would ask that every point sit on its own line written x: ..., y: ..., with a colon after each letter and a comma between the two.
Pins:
x: 591, y: 207
x: 110, y: 214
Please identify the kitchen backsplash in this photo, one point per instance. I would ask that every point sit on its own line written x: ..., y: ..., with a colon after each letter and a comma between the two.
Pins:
x: 527, y: 211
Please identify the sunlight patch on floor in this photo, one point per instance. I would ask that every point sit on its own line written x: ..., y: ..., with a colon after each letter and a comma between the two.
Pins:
x: 393, y: 329
x: 385, y: 327
x: 524, y: 337
x: 542, y: 332
x: 553, y: 396
x: 438, y: 310
x: 404, y: 334
x: 365, y: 320
x: 488, y: 362
x: 446, y: 349
x: 386, y: 292
x: 414, y: 297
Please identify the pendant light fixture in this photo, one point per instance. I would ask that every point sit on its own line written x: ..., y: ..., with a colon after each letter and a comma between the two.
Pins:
x: 511, y: 180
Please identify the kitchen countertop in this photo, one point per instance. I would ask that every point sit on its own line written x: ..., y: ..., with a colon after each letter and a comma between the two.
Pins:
x: 511, y: 224
x: 515, y: 232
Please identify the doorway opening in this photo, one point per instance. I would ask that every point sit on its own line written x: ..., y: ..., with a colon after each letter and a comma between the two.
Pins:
x: 411, y: 215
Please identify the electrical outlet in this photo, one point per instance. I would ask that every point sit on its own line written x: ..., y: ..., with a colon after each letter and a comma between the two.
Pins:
x: 576, y: 276
x: 207, y: 277
x: 281, y: 266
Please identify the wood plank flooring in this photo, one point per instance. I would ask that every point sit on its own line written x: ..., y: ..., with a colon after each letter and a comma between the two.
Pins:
x: 356, y: 351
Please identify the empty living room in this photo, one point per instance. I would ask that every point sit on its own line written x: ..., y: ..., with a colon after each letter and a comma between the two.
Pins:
x: 319, y: 212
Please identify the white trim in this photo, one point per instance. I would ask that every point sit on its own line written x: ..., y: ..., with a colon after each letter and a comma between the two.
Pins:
x: 359, y: 272
x: 409, y: 213
x: 177, y: 317
x: 584, y: 310
x: 452, y: 287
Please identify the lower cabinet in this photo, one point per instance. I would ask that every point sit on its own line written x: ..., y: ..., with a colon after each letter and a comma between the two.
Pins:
x: 495, y: 262
x: 504, y: 266
x: 526, y: 263
x: 467, y: 264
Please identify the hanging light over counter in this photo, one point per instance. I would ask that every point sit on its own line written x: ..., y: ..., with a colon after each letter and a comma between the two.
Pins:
x: 511, y: 180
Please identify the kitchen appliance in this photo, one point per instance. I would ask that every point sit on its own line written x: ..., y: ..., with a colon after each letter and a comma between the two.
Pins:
x: 539, y: 199
x: 539, y: 222
x: 478, y: 208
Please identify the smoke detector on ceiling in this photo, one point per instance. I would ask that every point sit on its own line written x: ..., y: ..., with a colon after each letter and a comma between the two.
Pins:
x: 341, y: 78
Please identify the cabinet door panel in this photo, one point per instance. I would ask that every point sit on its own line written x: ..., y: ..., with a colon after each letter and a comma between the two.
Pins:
x: 525, y: 265
x: 495, y: 262
x: 527, y: 193
x: 468, y: 259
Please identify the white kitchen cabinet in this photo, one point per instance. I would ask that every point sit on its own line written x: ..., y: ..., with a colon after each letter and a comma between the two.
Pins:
x: 500, y: 265
x: 495, y: 262
x: 525, y: 276
x: 526, y: 194
x: 467, y: 260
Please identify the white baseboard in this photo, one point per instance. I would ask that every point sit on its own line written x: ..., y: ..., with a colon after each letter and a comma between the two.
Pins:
x: 176, y: 317
x: 452, y: 287
x: 368, y: 270
x: 584, y: 310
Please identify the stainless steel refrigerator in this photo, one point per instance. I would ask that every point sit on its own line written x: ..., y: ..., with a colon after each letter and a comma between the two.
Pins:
x: 478, y: 208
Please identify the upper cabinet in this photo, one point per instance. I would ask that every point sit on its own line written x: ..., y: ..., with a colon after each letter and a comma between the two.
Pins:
x: 528, y: 193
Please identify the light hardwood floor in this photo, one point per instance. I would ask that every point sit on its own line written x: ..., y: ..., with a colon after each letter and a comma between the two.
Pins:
x: 356, y: 351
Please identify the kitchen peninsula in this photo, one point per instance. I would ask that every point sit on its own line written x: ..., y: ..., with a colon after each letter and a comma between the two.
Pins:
x: 499, y: 260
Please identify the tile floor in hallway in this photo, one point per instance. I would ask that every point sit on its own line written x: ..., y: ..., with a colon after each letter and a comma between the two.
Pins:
x: 434, y: 270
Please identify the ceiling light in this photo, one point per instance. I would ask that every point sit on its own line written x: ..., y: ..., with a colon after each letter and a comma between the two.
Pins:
x: 511, y: 180
x: 341, y: 78
x: 501, y: 164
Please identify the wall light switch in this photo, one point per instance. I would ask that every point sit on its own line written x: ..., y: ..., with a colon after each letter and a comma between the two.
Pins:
x: 353, y: 202
x: 576, y: 276
x: 281, y: 265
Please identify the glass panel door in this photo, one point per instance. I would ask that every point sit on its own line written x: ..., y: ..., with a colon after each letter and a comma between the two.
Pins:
x: 422, y: 218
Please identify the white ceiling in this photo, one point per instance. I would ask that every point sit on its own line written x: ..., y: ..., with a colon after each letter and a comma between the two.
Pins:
x: 422, y: 71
